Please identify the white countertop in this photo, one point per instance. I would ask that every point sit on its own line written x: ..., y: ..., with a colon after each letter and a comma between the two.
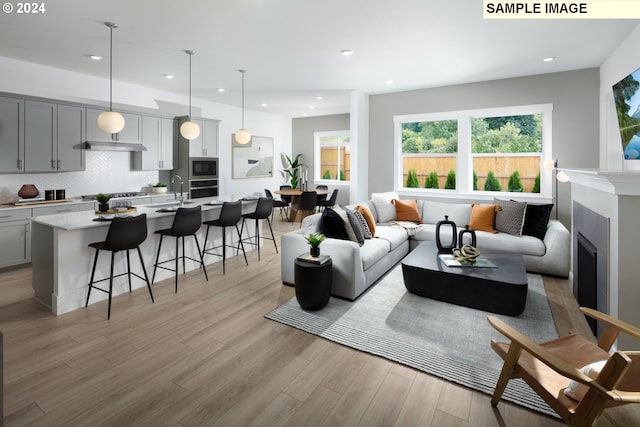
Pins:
x: 85, y: 219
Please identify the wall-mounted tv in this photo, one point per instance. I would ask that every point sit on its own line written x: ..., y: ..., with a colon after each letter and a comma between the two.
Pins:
x: 626, y: 94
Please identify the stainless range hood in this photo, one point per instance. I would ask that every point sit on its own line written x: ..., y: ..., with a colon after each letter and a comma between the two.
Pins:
x: 113, y: 146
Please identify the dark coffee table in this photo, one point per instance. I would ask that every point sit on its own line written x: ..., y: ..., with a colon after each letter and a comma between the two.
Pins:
x: 501, y: 290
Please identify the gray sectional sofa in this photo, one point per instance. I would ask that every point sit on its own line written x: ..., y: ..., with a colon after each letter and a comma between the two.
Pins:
x: 356, y: 267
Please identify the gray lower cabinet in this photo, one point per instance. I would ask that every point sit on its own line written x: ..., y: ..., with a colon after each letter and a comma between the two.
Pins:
x: 53, y: 137
x: 11, y: 135
x: 15, y: 237
x: 130, y: 133
x: 158, y: 137
x: 62, y: 208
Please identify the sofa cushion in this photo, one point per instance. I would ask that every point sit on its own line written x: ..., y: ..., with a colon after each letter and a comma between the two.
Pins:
x: 332, y: 225
x: 394, y: 235
x: 368, y: 216
x: 407, y: 210
x: 373, y: 251
x: 432, y: 212
x: 536, y: 218
x: 525, y: 245
x: 355, y: 226
x: 510, y: 218
x: 386, y: 210
x: 483, y: 217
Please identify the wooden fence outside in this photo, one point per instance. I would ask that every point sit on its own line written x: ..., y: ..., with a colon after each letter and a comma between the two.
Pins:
x: 329, y: 162
x: 502, y: 165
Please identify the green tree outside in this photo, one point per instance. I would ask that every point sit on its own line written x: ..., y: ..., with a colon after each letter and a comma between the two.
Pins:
x: 431, y: 181
x: 450, y: 183
x: 326, y: 175
x: 515, y: 184
x: 492, y: 183
x: 412, y: 179
x: 536, y: 184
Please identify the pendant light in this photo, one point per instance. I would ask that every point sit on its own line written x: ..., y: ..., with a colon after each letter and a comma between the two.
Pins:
x: 111, y: 121
x: 189, y: 129
x: 243, y: 136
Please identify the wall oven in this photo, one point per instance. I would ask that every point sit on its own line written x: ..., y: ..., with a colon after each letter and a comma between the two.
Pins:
x: 203, y: 168
x: 199, y: 188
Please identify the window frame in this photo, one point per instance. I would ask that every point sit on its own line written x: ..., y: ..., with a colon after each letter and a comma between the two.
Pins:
x: 464, y: 156
x: 317, y: 156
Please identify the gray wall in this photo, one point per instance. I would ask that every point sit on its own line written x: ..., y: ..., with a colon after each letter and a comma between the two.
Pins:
x: 575, y: 99
x: 302, y: 140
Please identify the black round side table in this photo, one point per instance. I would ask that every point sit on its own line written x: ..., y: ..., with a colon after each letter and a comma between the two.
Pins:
x: 313, y: 283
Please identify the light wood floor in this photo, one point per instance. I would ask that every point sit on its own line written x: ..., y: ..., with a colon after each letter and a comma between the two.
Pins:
x: 206, y: 356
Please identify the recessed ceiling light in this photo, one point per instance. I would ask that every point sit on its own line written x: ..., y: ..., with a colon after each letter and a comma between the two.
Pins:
x: 168, y: 76
x: 346, y: 52
x: 95, y: 57
x: 318, y: 98
x: 220, y: 89
x: 389, y: 82
x: 311, y: 107
x: 549, y: 59
x: 305, y: 114
x: 264, y: 104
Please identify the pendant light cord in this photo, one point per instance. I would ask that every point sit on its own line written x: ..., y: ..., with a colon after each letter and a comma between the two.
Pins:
x: 242, y: 71
x: 190, y: 52
x: 111, y: 68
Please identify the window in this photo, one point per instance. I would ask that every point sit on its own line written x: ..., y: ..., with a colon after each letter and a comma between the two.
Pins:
x: 476, y: 151
x: 332, y: 156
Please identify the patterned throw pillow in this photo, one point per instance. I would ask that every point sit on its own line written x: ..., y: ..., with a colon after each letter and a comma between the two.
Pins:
x: 356, y: 226
x: 510, y: 218
x: 371, y: 222
x: 363, y: 223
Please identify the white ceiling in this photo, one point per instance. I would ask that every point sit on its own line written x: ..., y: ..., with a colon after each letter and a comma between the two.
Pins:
x: 291, y: 48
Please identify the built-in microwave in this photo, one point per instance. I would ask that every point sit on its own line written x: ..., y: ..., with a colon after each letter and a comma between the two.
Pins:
x: 203, y: 168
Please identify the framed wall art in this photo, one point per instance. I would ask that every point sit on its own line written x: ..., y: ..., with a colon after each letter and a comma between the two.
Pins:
x: 254, y: 159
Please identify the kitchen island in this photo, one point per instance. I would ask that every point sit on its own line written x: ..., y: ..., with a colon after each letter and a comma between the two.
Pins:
x: 62, y: 259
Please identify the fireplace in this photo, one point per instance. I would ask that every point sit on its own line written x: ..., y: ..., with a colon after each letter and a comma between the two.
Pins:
x: 590, y: 265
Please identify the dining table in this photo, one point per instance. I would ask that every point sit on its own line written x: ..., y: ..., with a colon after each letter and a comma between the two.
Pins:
x: 295, y: 193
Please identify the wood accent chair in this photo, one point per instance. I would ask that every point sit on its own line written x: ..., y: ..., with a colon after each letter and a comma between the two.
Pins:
x: 549, y: 368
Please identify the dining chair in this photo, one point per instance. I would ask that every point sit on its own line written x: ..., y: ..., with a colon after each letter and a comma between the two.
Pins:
x: 322, y: 197
x: 286, y: 198
x: 306, y: 204
x: 330, y: 202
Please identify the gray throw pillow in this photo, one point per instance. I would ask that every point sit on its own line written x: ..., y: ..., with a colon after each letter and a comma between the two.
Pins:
x: 356, y: 226
x: 511, y: 218
x: 364, y: 224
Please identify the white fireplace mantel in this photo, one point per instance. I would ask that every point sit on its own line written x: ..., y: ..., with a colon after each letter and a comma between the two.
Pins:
x: 619, y: 183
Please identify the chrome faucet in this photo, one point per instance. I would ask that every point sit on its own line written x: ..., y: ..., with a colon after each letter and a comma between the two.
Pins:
x: 175, y: 195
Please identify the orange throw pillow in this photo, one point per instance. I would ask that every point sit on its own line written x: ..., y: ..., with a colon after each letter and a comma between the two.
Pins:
x: 483, y: 217
x: 407, y: 210
x: 368, y: 216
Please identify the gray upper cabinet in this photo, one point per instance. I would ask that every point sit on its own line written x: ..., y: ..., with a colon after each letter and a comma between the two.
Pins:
x: 130, y: 133
x: 205, y: 145
x: 71, y: 136
x: 53, y: 137
x: 157, y: 137
x: 11, y: 135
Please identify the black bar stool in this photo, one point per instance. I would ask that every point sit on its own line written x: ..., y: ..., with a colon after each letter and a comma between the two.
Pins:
x: 263, y: 211
x: 186, y: 223
x: 230, y: 215
x: 278, y: 203
x: 124, y: 234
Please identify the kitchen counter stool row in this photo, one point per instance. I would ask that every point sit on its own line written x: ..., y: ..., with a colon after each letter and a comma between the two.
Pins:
x: 126, y: 234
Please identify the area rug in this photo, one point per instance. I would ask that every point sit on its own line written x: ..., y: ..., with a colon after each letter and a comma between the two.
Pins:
x: 441, y: 339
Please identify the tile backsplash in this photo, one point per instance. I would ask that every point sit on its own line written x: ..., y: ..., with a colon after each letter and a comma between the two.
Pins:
x: 105, y: 172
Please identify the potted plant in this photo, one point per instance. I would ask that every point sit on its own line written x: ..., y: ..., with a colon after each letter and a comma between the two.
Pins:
x: 314, y: 241
x: 292, y: 168
x: 159, y: 188
x: 103, y: 202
